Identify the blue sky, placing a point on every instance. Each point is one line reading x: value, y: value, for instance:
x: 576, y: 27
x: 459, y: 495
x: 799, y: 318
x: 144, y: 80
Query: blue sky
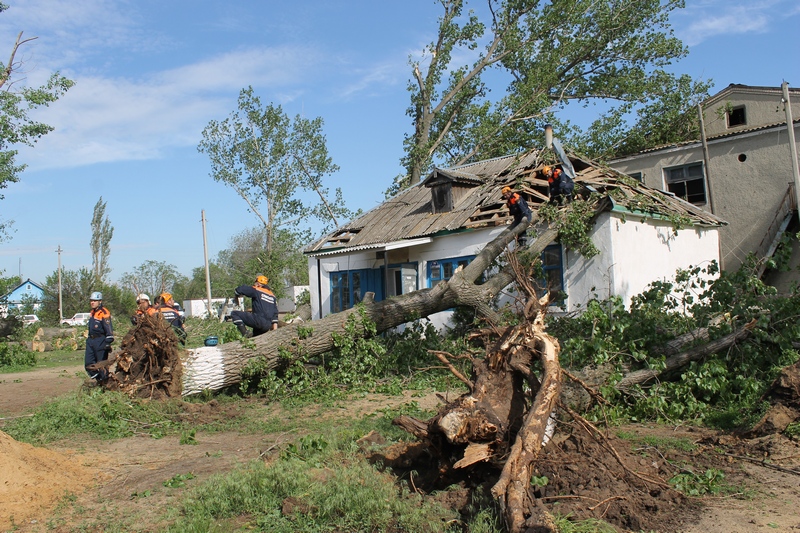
x: 150, y: 75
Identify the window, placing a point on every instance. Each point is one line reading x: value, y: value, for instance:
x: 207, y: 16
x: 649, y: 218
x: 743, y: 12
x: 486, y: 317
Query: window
x: 736, y: 117
x: 637, y: 176
x: 553, y: 270
x: 348, y: 287
x: 444, y: 269
x: 442, y: 198
x: 687, y: 182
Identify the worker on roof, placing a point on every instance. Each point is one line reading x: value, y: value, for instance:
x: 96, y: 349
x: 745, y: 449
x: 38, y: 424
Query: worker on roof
x: 143, y: 307
x: 166, y: 306
x: 100, y: 337
x: 265, y: 308
x: 518, y: 208
x: 561, y: 185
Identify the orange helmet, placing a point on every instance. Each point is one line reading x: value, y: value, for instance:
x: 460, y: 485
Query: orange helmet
x: 546, y: 170
x: 505, y: 190
x: 262, y: 279
x: 165, y: 297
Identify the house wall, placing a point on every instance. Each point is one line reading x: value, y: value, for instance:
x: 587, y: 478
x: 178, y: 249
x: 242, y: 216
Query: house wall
x: 761, y: 108
x: 26, y: 291
x: 442, y: 247
x: 747, y: 194
x: 634, y: 253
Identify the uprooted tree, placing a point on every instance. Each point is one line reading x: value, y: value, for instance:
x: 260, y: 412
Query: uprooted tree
x: 514, y: 391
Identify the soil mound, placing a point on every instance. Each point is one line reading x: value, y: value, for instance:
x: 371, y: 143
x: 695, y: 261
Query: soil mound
x: 33, y: 479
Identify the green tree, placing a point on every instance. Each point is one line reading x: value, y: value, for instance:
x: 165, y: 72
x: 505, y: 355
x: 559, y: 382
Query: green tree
x: 16, y: 127
x: 8, y: 283
x: 153, y: 278
x: 670, y: 117
x: 270, y: 160
x: 102, y: 232
x: 76, y: 287
x: 547, y: 54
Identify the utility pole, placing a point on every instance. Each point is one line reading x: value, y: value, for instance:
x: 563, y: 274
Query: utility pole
x: 60, y: 310
x: 787, y: 106
x: 205, y: 257
x: 706, y: 157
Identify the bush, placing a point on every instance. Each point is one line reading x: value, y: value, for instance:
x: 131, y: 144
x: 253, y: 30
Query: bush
x: 14, y: 355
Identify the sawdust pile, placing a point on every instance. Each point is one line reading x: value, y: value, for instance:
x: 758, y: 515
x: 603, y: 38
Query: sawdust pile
x: 147, y: 364
x: 32, y: 480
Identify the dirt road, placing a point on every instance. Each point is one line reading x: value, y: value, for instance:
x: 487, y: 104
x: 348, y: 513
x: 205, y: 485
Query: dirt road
x: 22, y: 392
x: 125, y: 481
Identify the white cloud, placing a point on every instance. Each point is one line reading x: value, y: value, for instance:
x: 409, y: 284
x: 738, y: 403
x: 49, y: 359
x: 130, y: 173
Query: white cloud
x: 115, y: 119
x: 705, y: 20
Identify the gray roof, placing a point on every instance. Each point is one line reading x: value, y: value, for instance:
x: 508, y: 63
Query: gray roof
x: 479, y: 203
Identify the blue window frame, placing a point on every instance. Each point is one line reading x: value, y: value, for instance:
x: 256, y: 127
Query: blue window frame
x: 553, y: 269
x: 443, y: 269
x: 348, y: 287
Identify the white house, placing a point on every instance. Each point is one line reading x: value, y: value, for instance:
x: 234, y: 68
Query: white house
x: 748, y: 181
x: 422, y: 235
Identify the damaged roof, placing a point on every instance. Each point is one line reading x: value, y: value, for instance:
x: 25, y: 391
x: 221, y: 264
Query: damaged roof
x: 475, y: 201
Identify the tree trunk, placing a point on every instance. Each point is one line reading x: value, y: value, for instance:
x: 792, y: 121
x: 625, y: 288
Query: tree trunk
x: 676, y: 362
x: 217, y: 367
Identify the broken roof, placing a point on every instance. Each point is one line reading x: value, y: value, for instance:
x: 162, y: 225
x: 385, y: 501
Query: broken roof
x: 409, y: 215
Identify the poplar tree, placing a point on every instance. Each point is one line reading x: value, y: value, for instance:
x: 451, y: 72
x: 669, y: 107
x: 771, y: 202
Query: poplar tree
x: 102, y: 232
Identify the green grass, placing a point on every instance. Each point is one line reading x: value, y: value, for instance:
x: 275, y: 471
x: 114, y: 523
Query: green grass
x: 329, y: 482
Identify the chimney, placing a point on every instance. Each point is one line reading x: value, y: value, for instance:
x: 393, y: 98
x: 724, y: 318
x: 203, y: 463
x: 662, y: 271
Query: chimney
x: 548, y: 136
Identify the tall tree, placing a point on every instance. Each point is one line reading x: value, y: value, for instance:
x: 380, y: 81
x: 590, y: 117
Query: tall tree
x: 76, y: 287
x: 269, y: 160
x: 547, y: 54
x: 102, y: 232
x: 15, y: 126
x: 153, y: 278
x: 670, y: 117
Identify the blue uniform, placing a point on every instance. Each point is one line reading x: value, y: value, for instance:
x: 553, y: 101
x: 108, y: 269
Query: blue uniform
x: 174, y: 319
x: 98, y: 343
x: 265, y: 309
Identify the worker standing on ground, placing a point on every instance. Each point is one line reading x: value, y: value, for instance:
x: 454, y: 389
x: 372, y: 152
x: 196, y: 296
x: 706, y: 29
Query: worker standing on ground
x: 518, y: 208
x: 143, y: 308
x: 166, y: 306
x: 265, y: 308
x: 100, y: 338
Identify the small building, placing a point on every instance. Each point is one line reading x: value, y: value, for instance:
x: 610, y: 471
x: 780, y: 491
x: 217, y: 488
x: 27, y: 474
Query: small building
x: 24, y: 293
x: 425, y: 233
x: 198, y: 307
x: 748, y: 181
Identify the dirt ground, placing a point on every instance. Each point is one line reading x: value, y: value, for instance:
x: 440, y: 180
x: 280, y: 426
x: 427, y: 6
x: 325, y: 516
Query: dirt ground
x: 88, y: 485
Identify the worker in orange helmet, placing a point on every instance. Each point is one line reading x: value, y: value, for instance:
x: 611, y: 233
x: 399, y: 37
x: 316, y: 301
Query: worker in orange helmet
x: 518, y: 208
x: 265, y: 308
x: 561, y: 186
x: 166, y: 306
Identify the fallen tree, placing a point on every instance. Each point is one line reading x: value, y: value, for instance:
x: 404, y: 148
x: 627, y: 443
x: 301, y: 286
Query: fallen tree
x: 217, y: 367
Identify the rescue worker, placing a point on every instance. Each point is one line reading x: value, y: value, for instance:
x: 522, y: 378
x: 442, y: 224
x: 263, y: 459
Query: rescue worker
x: 166, y: 306
x: 561, y: 186
x: 100, y: 338
x: 265, y: 308
x: 518, y: 208
x: 143, y: 308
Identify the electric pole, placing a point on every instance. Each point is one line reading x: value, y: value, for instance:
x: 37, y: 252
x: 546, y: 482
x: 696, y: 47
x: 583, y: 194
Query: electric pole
x: 60, y: 311
x: 205, y: 256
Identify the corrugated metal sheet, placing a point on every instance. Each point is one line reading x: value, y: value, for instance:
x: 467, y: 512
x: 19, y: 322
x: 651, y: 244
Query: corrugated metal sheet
x: 408, y: 215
